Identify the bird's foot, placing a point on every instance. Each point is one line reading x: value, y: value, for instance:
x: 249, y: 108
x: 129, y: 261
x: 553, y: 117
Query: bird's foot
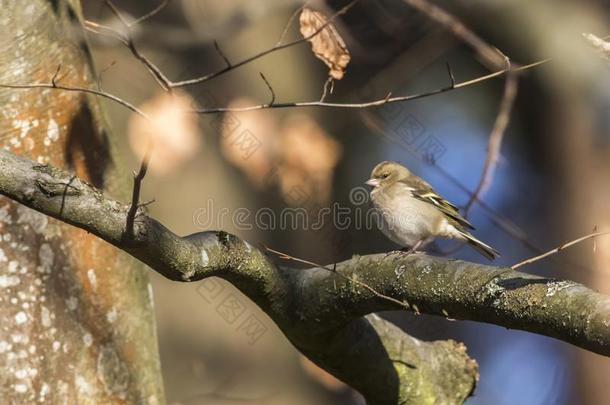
x: 411, y: 250
x: 400, y: 254
x: 393, y: 252
x: 406, y: 252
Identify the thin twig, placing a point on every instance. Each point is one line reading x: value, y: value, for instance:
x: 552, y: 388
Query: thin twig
x: 127, y: 40
x: 150, y: 14
x: 147, y: 203
x: 222, y: 54
x: 100, y: 93
x: 451, y: 77
x: 101, y: 73
x: 289, y: 23
x: 145, y: 160
x: 502, y: 222
x: 164, y: 82
x: 374, y: 103
x: 269, y: 87
x: 137, y: 186
x: 495, y: 140
x: 490, y: 54
x: 558, y: 249
x: 275, y: 48
x: 497, y: 219
x: 54, y: 78
x: 286, y: 256
x: 326, y: 90
x: 117, y: 13
x: 101, y: 29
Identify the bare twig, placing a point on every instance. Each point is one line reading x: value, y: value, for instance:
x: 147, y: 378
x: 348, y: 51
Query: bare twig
x: 101, y: 29
x: 54, y: 78
x: 100, y: 93
x: 286, y: 256
x: 450, y: 72
x: 101, y: 73
x: 289, y: 23
x: 374, y: 103
x: 164, y: 81
x: 150, y: 14
x: 269, y: 87
x: 137, y: 186
x: 127, y: 40
x: 329, y: 85
x: 165, y: 84
x: 145, y: 160
x: 497, y: 219
x: 276, y: 47
x: 222, y: 54
x: 490, y: 54
x: 503, y: 223
x: 495, y: 140
x: 558, y: 249
x: 117, y: 13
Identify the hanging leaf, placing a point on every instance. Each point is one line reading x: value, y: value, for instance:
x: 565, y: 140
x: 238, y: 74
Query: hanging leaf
x: 327, y: 45
x: 602, y: 47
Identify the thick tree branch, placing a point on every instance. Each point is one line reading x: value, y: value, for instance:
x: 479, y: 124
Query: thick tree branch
x: 321, y: 311
x: 399, y: 368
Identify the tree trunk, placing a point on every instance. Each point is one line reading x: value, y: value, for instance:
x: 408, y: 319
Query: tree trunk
x: 77, y: 320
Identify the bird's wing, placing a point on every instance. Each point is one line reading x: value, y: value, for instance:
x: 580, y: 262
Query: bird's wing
x: 424, y: 192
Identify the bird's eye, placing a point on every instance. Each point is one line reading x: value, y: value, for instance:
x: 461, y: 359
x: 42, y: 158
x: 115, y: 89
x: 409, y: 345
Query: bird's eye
x: 385, y: 175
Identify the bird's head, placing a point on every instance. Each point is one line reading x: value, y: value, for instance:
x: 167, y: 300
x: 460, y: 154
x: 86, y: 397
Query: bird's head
x: 387, y: 173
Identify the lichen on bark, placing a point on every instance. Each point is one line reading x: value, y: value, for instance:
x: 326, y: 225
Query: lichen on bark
x: 67, y: 297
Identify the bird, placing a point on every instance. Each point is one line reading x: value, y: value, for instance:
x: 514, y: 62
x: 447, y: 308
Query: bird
x: 412, y: 214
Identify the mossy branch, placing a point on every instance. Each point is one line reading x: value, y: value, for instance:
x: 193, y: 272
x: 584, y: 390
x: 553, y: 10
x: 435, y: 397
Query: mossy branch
x: 324, y: 313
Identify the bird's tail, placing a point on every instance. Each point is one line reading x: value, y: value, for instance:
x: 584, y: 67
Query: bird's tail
x: 480, y: 247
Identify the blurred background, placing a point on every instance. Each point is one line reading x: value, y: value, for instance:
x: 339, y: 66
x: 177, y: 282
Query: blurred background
x: 550, y: 184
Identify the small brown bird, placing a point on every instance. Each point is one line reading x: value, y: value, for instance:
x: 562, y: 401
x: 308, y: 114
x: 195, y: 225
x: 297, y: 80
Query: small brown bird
x: 412, y: 213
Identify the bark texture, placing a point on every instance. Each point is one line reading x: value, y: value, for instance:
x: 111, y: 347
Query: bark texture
x: 321, y: 311
x: 77, y: 321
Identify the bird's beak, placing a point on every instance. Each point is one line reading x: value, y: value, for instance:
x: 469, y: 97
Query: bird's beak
x: 372, y: 182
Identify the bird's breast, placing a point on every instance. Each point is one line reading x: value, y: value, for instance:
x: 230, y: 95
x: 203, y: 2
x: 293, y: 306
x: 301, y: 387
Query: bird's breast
x: 405, y: 219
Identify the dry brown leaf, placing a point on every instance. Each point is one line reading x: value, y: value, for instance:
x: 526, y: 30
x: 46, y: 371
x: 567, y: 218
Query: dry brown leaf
x: 174, y: 132
x: 327, y: 45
